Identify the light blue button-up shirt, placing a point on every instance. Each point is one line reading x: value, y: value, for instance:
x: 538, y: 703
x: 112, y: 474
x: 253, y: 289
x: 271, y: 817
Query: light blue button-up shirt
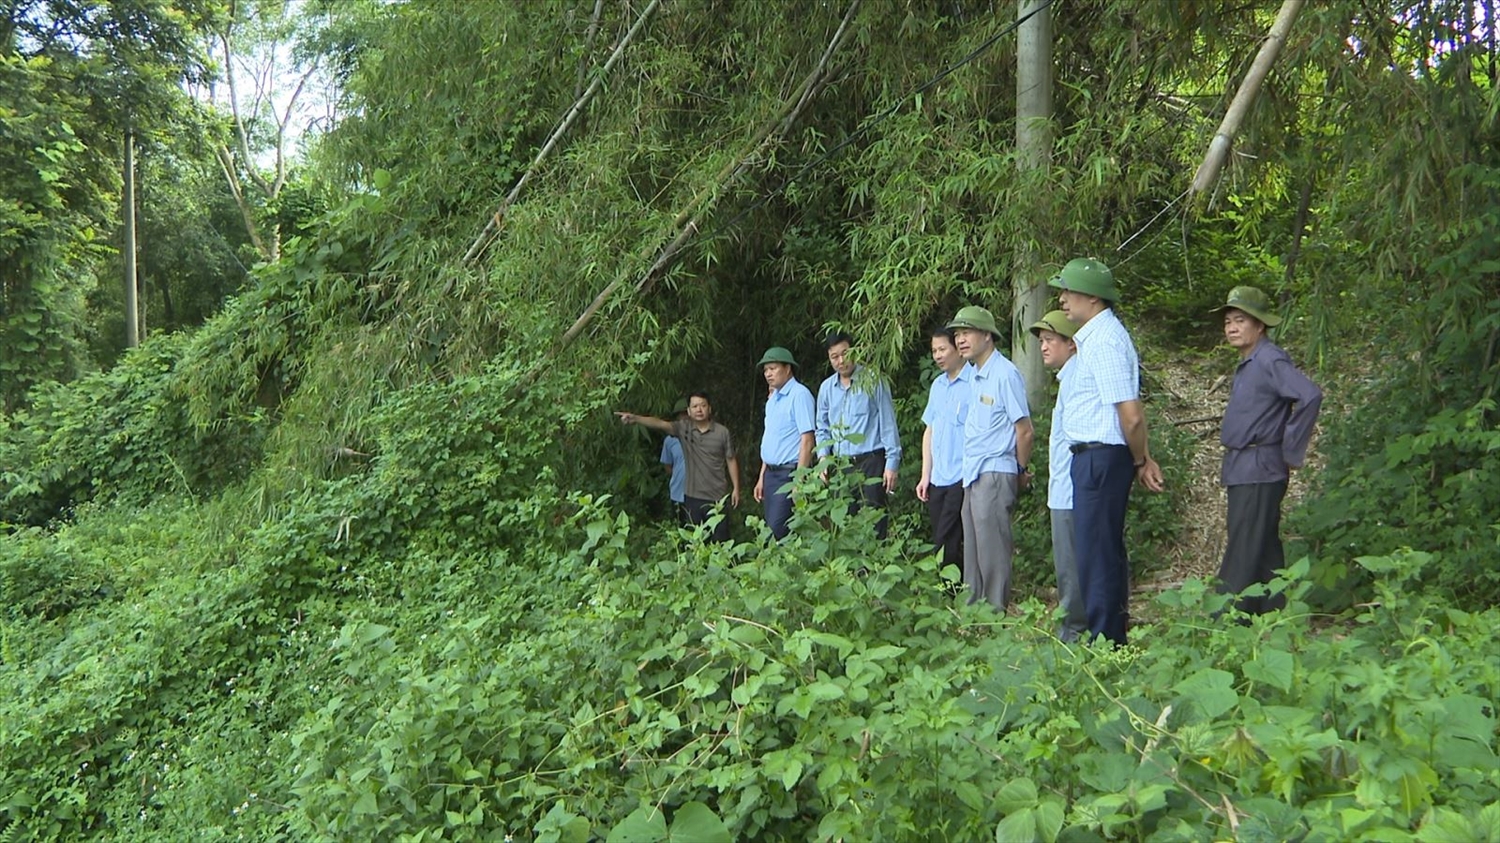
x: 671, y: 454
x: 947, y: 407
x: 1107, y: 372
x: 789, y: 414
x: 1059, y: 458
x: 997, y: 402
x: 858, y: 418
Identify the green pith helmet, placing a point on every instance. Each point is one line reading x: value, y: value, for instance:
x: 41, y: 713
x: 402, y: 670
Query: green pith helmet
x: 1055, y: 321
x: 1252, y: 301
x: 977, y: 318
x: 680, y: 407
x: 1089, y: 277
x: 776, y: 354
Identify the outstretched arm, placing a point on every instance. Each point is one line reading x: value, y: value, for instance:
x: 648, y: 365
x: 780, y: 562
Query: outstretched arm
x: 652, y: 422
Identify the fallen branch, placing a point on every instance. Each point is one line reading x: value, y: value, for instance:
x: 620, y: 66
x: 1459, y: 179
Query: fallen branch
x: 1218, y: 148
x: 492, y: 227
x: 1200, y: 420
x: 689, y: 220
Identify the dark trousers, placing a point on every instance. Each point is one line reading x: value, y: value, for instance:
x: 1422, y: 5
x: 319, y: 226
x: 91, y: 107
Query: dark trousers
x: 776, y: 501
x: 871, y: 464
x: 698, y: 512
x: 1253, y: 551
x: 1101, y: 491
x: 946, y: 506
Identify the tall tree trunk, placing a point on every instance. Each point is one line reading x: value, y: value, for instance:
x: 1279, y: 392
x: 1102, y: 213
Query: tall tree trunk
x: 1034, y: 148
x: 132, y: 311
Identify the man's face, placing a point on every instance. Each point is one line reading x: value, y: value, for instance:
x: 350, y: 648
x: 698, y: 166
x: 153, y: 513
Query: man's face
x: 1056, y: 349
x: 973, y: 343
x: 1241, y: 329
x: 945, y: 354
x: 1073, y: 306
x: 699, y: 409
x: 777, y: 374
x: 838, y: 357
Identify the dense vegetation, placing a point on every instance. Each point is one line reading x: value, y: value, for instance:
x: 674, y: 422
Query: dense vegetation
x: 349, y: 549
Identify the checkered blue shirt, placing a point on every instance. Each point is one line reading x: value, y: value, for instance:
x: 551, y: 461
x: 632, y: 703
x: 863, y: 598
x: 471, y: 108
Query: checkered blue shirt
x: 1108, y: 372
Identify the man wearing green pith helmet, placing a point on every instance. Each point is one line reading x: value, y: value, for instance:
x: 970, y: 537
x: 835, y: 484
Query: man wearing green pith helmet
x: 1106, y: 429
x: 1267, y: 425
x: 997, y: 448
x: 787, y: 443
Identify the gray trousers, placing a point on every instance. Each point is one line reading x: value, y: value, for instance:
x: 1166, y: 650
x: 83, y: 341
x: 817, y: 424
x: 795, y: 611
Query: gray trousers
x: 988, y: 545
x: 1065, y: 561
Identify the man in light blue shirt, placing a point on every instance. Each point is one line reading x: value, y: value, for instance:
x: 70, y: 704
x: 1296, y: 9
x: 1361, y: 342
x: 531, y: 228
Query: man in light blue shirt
x: 1055, y: 334
x: 941, y: 486
x: 672, y: 458
x: 856, y: 418
x: 997, y: 448
x: 1106, y: 429
x: 787, y: 442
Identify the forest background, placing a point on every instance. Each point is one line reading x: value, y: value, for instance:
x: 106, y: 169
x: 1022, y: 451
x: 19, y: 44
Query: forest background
x: 349, y: 548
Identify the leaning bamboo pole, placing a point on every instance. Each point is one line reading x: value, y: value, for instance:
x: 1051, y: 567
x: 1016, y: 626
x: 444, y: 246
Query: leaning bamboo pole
x: 492, y: 226
x: 689, y: 220
x: 1218, y: 148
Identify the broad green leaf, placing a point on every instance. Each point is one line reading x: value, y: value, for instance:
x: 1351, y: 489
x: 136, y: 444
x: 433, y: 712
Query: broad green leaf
x: 695, y: 822
x: 1210, y: 689
x: 644, y: 825
x: 1016, y: 795
x: 562, y: 826
x: 1050, y: 813
x: 1019, y: 827
x: 366, y: 804
x: 1272, y: 667
x: 1445, y: 825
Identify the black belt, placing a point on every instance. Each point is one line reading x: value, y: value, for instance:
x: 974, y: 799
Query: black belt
x: 786, y: 466
x: 1080, y: 447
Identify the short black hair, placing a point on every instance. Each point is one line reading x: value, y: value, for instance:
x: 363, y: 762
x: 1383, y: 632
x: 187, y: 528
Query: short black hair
x: 699, y: 394
x: 945, y: 332
x: 835, y: 338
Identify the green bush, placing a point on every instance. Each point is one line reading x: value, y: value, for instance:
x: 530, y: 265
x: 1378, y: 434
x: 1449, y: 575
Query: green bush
x: 1437, y: 488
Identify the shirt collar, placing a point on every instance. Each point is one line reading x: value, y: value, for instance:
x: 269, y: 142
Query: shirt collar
x: 786, y: 388
x: 1260, y: 347
x: 1095, y: 325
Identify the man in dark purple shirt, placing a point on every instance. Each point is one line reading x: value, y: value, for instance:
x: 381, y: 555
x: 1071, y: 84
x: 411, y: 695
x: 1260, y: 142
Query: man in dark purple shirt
x: 1269, y: 420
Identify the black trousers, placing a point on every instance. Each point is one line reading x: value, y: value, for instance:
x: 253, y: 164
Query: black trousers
x: 1253, y: 552
x: 698, y: 512
x: 945, y: 504
x: 871, y: 464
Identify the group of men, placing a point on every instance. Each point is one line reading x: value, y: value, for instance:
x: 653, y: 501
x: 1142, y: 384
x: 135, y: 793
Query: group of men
x: 978, y: 439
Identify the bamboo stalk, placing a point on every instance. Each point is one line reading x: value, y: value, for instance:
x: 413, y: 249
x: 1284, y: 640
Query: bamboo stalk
x: 1218, y: 148
x: 486, y: 236
x: 690, y: 218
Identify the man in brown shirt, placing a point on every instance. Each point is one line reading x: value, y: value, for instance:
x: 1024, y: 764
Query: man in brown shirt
x: 713, y: 470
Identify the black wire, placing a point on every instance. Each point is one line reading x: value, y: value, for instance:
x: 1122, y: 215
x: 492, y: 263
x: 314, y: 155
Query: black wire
x: 879, y: 118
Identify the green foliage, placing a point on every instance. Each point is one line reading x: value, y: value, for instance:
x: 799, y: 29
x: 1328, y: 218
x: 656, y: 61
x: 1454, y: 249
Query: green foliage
x: 121, y: 435
x: 1435, y: 488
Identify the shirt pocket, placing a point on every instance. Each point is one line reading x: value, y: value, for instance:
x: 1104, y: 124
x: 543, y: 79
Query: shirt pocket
x: 982, y: 412
x: 854, y: 416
